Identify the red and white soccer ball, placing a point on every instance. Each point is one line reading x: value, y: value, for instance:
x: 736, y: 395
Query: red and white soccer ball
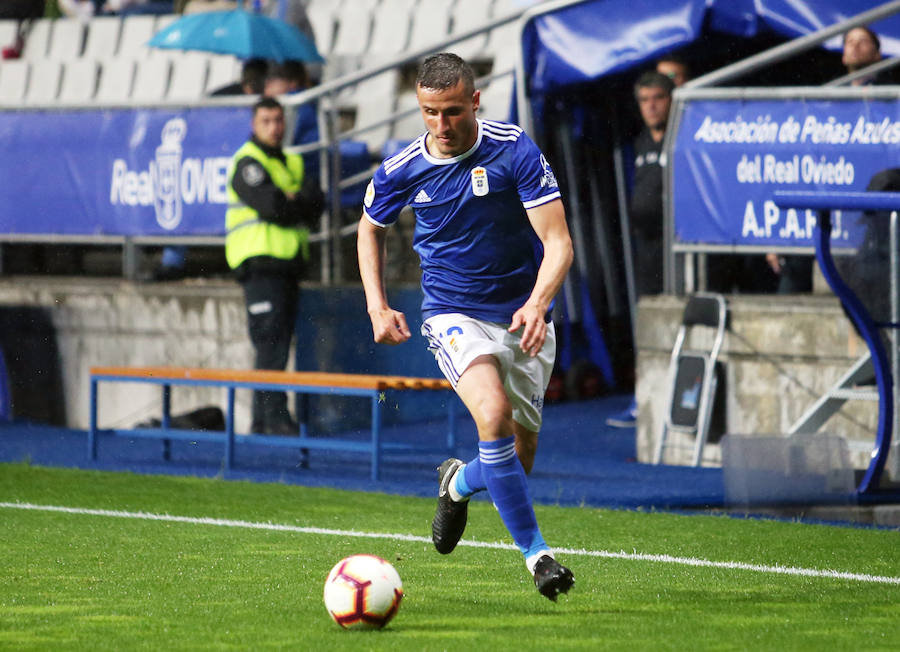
x: 363, y: 592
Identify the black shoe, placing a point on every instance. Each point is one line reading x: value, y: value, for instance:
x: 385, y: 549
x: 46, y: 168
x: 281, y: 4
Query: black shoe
x: 450, y: 517
x: 552, y: 578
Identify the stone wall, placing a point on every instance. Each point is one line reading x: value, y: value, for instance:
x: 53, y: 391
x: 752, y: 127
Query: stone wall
x: 780, y: 355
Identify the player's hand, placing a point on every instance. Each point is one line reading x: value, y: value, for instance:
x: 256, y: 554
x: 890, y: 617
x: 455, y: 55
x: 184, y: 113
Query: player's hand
x: 534, y: 332
x: 389, y: 326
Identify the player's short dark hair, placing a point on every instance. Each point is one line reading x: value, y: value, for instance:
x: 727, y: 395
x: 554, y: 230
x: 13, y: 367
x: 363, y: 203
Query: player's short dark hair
x: 445, y: 70
x: 872, y: 35
x: 653, y: 79
x: 267, y: 103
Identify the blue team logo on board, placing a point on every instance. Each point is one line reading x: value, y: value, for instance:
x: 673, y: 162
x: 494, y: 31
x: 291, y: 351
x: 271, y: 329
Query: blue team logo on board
x: 480, y: 182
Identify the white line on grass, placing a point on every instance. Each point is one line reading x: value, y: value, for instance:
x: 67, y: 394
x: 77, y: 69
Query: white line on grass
x: 631, y: 556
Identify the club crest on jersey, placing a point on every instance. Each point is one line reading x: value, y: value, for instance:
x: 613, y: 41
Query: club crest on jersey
x: 480, y: 182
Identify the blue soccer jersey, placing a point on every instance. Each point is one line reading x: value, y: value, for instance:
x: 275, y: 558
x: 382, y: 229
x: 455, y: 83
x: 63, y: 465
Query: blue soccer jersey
x: 479, y: 254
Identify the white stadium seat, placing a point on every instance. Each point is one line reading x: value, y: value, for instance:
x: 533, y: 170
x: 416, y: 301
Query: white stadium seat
x: 496, y: 99
x: 43, y: 82
x: 66, y: 39
x: 102, y: 41
x: 390, y: 31
x: 430, y: 23
x: 151, y: 80
x: 79, y: 81
x: 188, y: 77
x: 467, y: 15
x: 116, y: 81
x: 224, y: 69
x: 9, y: 31
x: 37, y: 39
x: 353, y: 30
x: 321, y: 17
x: 137, y: 29
x: 411, y: 126
x: 13, y: 80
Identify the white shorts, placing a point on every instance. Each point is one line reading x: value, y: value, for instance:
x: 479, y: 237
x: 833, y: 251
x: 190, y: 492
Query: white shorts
x: 456, y: 340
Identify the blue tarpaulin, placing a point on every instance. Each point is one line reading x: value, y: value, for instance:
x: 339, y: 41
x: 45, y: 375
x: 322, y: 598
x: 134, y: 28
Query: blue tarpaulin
x: 584, y: 42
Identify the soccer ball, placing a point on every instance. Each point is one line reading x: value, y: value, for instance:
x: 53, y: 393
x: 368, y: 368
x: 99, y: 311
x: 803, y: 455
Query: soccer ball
x: 363, y: 592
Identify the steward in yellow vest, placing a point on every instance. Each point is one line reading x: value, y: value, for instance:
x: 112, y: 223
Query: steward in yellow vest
x: 271, y: 206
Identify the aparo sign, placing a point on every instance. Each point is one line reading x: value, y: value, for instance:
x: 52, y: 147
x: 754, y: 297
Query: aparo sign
x: 732, y: 155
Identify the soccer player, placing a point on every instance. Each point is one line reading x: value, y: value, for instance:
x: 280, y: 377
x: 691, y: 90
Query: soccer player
x: 494, y: 246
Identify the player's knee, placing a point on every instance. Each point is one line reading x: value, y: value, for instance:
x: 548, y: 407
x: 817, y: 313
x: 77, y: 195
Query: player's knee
x: 494, y: 418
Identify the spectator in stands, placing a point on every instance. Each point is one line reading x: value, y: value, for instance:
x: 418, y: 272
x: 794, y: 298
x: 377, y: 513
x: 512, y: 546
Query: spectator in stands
x: 495, y: 248
x: 84, y: 10
x: 862, y: 48
x: 653, y: 92
x: 125, y: 7
x: 21, y: 9
x: 287, y: 78
x: 252, y: 82
x: 674, y: 67
x: 272, y: 206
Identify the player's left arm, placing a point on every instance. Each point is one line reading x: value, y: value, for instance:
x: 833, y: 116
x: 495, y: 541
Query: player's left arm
x: 549, y: 223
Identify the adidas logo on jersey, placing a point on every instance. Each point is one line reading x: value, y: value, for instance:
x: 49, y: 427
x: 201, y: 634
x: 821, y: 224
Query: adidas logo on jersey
x: 422, y: 198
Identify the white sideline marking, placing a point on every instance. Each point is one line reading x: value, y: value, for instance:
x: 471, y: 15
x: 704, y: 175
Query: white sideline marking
x: 632, y: 556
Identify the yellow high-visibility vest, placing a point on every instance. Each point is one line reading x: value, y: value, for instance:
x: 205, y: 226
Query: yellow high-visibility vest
x: 246, y: 235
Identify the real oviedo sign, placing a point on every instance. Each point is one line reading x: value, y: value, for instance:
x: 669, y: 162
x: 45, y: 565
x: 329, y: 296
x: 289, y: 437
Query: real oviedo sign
x: 118, y: 172
x: 732, y: 155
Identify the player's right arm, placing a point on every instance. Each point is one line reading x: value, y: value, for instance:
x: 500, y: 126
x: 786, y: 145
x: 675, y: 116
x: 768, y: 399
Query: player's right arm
x: 388, y: 325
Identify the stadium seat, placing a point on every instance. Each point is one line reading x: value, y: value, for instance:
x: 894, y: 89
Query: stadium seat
x: 43, y: 82
x: 151, y: 80
x: 390, y: 29
x: 66, y: 39
x: 79, y: 81
x: 467, y: 15
x: 430, y: 23
x: 411, y: 126
x: 189, y: 73
x: 116, y: 80
x: 9, y: 31
x: 496, y: 99
x: 13, y: 80
x: 354, y: 29
x: 321, y: 17
x: 102, y: 41
x: 159, y: 24
x: 137, y: 29
x: 224, y: 69
x: 37, y: 39
x: 370, y: 110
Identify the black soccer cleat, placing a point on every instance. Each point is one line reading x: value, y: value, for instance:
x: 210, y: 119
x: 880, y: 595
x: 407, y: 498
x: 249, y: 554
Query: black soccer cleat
x: 552, y: 578
x: 450, y: 517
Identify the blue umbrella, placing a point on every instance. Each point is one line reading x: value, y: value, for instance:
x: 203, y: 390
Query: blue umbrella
x: 245, y: 34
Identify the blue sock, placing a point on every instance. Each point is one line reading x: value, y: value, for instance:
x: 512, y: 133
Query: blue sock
x: 470, y: 481
x: 506, y: 482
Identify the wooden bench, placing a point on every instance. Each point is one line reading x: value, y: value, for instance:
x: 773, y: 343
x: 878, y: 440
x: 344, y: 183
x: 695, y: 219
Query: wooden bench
x: 303, y: 383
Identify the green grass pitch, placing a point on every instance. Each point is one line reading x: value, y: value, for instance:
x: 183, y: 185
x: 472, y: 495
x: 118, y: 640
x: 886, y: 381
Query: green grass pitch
x: 252, y: 580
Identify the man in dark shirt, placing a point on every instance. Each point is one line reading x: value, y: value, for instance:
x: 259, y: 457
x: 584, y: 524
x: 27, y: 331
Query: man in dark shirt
x: 653, y: 92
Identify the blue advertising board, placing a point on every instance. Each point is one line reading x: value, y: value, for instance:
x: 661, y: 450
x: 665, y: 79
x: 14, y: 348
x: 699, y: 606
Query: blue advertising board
x: 123, y: 172
x: 730, y: 156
